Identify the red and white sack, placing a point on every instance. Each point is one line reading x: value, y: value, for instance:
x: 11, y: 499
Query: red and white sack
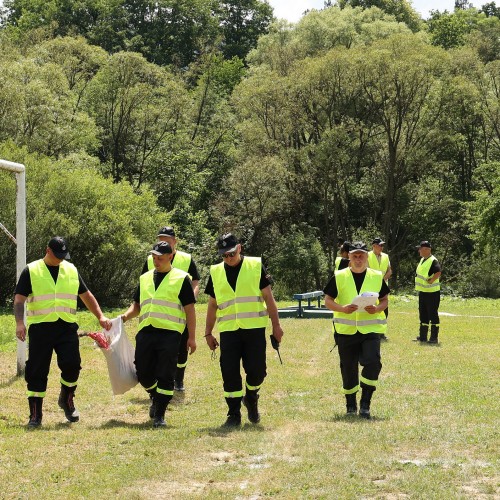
x: 120, y: 358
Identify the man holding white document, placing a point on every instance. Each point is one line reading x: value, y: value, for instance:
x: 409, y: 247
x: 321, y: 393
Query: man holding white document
x: 358, y: 296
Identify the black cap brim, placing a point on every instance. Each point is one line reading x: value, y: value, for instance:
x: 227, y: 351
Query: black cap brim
x: 62, y: 255
x: 222, y: 251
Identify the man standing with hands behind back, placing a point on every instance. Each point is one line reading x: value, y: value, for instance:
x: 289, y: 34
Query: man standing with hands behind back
x: 238, y: 288
x: 429, y: 296
x: 51, y: 286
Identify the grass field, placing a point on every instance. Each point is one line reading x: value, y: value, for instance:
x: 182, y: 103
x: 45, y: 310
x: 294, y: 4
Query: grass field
x: 433, y: 435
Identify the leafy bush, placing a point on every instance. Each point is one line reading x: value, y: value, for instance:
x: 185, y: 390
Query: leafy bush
x: 108, y: 226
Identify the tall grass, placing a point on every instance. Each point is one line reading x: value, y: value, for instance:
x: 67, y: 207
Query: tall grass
x: 434, y: 433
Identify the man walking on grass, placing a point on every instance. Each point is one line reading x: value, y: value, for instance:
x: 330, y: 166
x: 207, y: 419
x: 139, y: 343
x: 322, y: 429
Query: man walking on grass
x: 357, y: 330
x: 51, y: 286
x: 241, y: 301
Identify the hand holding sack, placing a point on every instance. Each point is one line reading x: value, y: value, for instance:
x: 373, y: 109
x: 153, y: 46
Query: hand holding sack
x: 119, y: 354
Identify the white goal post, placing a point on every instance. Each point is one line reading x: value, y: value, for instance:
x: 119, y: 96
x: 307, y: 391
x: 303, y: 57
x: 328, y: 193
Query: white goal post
x: 20, y: 240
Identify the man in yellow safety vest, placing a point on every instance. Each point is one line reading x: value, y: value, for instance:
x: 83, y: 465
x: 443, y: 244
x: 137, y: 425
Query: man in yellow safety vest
x: 429, y: 296
x: 50, y: 287
x: 357, y: 328
x: 164, y: 302
x: 185, y: 262
x: 241, y: 301
x: 379, y: 261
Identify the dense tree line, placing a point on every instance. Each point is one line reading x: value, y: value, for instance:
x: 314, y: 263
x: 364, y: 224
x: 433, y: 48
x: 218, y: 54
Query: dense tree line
x: 361, y: 120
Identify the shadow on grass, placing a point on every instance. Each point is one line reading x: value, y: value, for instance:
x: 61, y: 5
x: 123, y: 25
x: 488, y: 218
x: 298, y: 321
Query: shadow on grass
x: 115, y: 424
x: 354, y: 419
x: 222, y: 431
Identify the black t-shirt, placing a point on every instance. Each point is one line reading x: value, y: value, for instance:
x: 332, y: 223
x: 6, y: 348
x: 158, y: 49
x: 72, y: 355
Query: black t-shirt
x: 192, y: 271
x: 24, y: 288
x: 359, y: 278
x: 232, y: 273
x: 435, y: 267
x: 343, y: 263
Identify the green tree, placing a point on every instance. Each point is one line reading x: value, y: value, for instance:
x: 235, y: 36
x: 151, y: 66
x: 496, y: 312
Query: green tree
x: 108, y: 227
x: 241, y: 23
x: 402, y: 10
x: 138, y: 106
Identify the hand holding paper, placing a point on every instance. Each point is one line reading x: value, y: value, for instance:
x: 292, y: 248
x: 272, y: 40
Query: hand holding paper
x: 365, y: 299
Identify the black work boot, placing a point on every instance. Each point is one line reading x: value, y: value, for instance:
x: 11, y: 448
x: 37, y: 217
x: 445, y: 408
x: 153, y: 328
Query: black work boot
x: 35, y: 411
x: 364, y: 404
x: 160, y: 407
x: 434, y: 334
x: 351, y: 404
x: 234, y: 412
x: 66, y: 402
x: 152, y: 393
x: 179, y: 379
x: 424, y: 330
x: 250, y: 401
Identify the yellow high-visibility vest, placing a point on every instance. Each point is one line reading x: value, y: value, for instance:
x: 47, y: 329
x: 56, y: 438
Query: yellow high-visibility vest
x: 49, y: 300
x: 338, y: 260
x: 358, y: 321
x: 162, y: 308
x: 422, y: 275
x: 373, y: 262
x: 244, y: 307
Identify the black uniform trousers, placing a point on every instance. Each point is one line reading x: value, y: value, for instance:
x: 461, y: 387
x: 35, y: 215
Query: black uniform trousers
x: 428, y: 307
x: 156, y: 358
x: 182, y: 355
x: 362, y: 349
x: 246, y: 346
x: 43, y: 340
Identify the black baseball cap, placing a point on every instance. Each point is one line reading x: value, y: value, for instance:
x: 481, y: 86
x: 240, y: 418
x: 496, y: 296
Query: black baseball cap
x: 166, y: 231
x: 227, y: 243
x: 59, y: 247
x: 161, y: 248
x: 425, y: 243
x: 358, y: 246
x: 346, y: 246
x: 378, y: 241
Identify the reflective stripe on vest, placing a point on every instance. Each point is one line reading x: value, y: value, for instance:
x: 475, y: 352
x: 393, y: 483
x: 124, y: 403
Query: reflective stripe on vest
x: 49, y: 300
x: 244, y: 307
x: 373, y: 262
x: 422, y: 275
x: 349, y: 324
x: 161, y: 308
x: 182, y: 261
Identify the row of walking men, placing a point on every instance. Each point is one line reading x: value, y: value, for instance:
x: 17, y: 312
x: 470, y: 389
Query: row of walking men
x: 241, y: 302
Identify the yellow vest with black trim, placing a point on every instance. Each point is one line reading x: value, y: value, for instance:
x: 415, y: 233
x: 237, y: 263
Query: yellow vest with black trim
x: 49, y: 300
x: 244, y: 307
x: 182, y: 261
x: 162, y: 308
x: 373, y: 262
x: 358, y: 321
x: 422, y: 275
x: 338, y: 260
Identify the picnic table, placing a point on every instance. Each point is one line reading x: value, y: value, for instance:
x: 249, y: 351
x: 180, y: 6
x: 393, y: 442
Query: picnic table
x: 309, y: 296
